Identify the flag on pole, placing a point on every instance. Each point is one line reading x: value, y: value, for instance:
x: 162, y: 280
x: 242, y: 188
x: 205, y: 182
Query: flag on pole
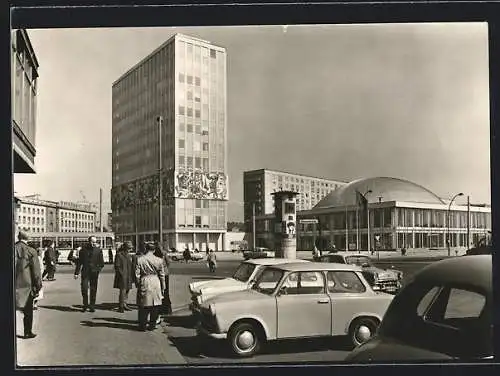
x: 362, y: 202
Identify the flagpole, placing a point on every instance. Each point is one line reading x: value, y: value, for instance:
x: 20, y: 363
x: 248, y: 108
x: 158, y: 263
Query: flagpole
x: 368, y: 225
x: 346, y: 231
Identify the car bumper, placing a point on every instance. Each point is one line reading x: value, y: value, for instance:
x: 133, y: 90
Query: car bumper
x: 391, y: 289
x: 202, y: 332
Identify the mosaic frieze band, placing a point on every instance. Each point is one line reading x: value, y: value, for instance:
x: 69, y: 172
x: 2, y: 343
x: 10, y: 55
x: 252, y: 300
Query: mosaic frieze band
x: 189, y: 184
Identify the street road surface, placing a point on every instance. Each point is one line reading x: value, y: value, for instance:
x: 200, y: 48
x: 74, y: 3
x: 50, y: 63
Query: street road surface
x: 183, y: 335
x: 116, y: 340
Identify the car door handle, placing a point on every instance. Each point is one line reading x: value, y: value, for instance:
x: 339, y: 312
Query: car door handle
x: 323, y: 301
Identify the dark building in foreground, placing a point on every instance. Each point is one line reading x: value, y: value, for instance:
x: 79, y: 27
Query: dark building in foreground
x: 24, y: 75
x: 184, y: 81
x: 402, y: 214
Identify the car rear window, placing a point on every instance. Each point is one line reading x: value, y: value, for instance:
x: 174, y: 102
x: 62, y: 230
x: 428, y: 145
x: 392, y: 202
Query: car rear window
x: 344, y: 281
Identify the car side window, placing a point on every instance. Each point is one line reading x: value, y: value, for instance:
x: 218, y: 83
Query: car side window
x: 456, y: 308
x: 426, y: 301
x: 464, y: 304
x: 344, y: 282
x: 303, y: 283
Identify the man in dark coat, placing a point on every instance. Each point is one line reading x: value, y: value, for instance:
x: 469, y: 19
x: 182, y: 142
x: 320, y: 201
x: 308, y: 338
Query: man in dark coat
x: 50, y: 260
x: 166, y: 306
x: 123, y: 275
x: 90, y: 262
x: 28, y: 281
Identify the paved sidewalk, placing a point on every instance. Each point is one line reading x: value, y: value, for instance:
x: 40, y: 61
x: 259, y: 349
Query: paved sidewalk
x: 67, y: 336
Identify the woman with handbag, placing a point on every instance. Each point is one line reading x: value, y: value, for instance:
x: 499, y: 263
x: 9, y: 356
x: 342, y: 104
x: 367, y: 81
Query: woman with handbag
x: 150, y: 276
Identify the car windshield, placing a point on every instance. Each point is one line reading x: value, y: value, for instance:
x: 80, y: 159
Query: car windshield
x: 358, y: 260
x: 268, y: 281
x: 244, y: 272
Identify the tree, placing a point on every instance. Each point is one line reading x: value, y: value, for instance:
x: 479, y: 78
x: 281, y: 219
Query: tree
x: 239, y: 226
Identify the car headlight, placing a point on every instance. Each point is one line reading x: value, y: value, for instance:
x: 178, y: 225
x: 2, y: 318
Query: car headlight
x: 211, y: 308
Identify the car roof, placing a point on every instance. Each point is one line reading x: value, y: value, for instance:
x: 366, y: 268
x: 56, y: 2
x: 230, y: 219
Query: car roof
x: 464, y: 270
x: 315, y: 266
x: 274, y: 261
x: 355, y: 254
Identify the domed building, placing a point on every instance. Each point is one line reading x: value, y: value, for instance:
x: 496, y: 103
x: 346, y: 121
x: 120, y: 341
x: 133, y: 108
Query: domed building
x: 398, y: 214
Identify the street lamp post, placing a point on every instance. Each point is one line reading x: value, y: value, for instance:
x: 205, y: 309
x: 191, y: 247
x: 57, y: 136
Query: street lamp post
x: 159, y: 119
x: 253, y: 226
x: 448, y: 240
x: 357, y: 221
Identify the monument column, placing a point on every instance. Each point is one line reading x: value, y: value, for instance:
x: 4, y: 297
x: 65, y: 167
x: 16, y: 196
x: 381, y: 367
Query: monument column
x: 285, y: 223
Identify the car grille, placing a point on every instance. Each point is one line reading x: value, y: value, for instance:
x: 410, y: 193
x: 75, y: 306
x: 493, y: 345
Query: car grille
x: 388, y: 284
x: 208, y: 321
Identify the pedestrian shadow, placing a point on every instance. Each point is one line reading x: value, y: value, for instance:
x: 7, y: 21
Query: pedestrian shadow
x: 73, y: 308
x: 107, y: 306
x: 114, y: 325
x: 115, y: 320
x: 196, y: 347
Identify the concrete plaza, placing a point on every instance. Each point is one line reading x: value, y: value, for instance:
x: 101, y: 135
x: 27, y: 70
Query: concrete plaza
x: 67, y: 336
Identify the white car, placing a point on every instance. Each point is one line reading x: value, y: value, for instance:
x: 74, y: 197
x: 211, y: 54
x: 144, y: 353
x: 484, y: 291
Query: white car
x: 196, y: 255
x: 247, y: 272
x: 295, y: 300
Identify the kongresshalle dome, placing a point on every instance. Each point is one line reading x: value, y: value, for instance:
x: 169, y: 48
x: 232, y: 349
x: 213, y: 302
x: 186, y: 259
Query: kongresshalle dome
x: 383, y: 189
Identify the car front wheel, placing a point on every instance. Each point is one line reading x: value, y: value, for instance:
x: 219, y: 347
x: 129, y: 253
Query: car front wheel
x: 244, y: 340
x: 361, y: 330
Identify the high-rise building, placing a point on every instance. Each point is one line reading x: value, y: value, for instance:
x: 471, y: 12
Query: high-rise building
x: 184, y: 82
x: 259, y: 184
x: 24, y: 75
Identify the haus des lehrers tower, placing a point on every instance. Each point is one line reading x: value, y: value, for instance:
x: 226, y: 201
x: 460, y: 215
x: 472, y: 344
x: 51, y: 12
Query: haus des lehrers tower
x: 184, y: 82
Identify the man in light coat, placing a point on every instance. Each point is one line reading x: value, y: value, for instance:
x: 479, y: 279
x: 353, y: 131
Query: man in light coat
x: 28, y: 281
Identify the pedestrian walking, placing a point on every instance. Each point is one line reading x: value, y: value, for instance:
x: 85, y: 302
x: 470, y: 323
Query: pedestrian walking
x: 123, y: 275
x: 28, y: 281
x: 49, y: 260
x: 166, y: 305
x: 90, y: 263
x: 212, y: 261
x: 73, y: 255
x: 150, y: 275
x: 40, y: 293
x: 187, y: 255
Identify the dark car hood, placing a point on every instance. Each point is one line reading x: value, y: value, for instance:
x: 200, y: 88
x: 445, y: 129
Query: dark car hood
x: 380, y: 349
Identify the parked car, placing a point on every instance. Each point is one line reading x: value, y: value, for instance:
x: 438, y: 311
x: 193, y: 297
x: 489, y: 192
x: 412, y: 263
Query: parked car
x: 240, y: 280
x: 259, y: 252
x: 444, y: 313
x: 388, y: 280
x: 175, y: 255
x: 295, y: 300
x: 482, y: 250
x: 196, y: 255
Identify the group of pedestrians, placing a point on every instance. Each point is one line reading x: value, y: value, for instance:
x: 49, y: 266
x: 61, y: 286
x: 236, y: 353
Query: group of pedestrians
x: 147, y: 269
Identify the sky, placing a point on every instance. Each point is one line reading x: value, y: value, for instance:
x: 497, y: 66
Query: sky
x: 344, y: 102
